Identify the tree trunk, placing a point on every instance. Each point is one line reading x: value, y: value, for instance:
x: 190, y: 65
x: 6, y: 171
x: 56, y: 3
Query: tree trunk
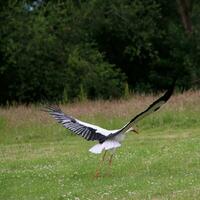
x: 184, y: 7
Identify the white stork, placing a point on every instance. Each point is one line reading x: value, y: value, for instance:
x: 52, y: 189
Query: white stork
x: 107, y: 139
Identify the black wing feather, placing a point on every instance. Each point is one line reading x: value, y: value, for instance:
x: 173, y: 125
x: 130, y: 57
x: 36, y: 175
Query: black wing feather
x: 73, y: 125
x: 152, y: 108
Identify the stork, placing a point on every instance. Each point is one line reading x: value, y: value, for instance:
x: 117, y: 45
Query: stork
x: 107, y: 139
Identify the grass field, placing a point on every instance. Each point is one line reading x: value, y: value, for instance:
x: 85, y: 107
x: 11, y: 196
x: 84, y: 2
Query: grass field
x: 41, y: 160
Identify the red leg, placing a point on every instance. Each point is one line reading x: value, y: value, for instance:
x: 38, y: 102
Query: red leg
x: 104, y: 155
x: 110, y: 164
x: 97, y: 174
x: 110, y: 160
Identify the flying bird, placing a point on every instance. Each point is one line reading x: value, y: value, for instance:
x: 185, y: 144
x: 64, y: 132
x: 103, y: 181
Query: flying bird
x: 107, y: 139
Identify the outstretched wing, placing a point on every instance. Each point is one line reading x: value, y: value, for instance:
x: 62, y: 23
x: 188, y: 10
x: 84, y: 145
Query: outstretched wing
x: 86, y: 130
x: 152, y: 108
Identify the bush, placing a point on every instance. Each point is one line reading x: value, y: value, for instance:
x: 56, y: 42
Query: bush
x: 88, y: 71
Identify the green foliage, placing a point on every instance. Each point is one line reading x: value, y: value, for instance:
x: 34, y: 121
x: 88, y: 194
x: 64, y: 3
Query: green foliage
x: 41, y: 55
x: 141, y: 42
x: 33, y: 71
x: 88, y: 70
x: 82, y: 95
x: 125, y: 31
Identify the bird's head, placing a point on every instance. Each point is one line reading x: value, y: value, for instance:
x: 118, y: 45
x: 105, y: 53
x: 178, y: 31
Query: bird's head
x: 134, y: 130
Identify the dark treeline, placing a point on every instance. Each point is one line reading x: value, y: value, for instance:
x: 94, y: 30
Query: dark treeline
x: 73, y: 49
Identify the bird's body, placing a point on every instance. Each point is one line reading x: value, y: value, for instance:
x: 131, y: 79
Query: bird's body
x: 109, y: 144
x: 107, y: 139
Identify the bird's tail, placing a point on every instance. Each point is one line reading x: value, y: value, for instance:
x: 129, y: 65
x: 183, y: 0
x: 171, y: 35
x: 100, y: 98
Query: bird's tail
x: 108, y: 144
x: 98, y: 148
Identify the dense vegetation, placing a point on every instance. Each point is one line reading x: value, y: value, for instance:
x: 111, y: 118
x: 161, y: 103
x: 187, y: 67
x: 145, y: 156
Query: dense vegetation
x: 66, y: 50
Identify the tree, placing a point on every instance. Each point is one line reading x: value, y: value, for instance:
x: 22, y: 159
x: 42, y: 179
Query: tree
x: 59, y: 51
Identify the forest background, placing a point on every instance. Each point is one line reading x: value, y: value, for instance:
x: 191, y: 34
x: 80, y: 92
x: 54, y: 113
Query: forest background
x: 61, y: 51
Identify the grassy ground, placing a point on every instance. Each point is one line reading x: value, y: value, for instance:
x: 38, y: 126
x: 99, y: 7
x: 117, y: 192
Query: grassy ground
x: 41, y: 160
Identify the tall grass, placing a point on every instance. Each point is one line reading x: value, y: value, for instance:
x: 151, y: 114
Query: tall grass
x: 27, y: 123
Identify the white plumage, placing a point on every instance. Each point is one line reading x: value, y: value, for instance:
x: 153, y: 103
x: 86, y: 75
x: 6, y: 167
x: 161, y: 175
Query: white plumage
x: 108, y: 144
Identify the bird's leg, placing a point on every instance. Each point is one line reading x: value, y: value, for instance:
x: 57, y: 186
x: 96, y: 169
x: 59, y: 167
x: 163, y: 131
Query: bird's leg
x: 110, y: 164
x: 104, y: 155
x: 110, y: 160
x: 100, y: 164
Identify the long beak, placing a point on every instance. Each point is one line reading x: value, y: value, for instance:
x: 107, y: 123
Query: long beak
x: 135, y: 131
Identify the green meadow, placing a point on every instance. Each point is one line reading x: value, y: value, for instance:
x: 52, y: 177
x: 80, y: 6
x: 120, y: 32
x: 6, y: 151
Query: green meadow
x: 39, y: 159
